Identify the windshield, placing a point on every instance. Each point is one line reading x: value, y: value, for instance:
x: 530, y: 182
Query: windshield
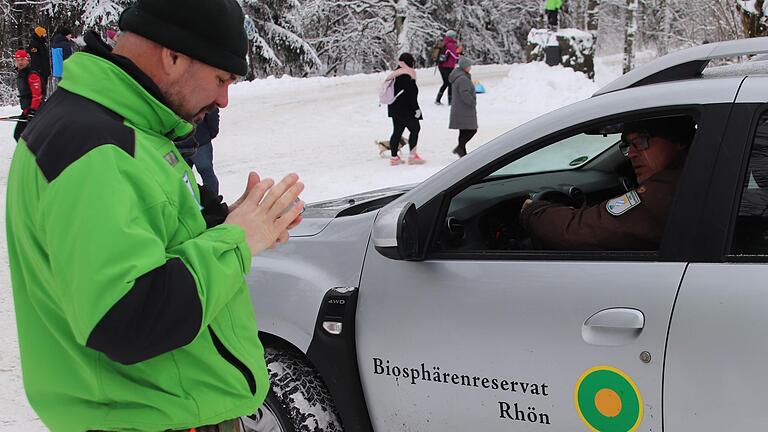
x: 570, y: 153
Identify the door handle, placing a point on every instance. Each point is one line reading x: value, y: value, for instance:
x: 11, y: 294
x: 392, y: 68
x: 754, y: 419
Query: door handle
x: 623, y: 318
x: 613, y: 327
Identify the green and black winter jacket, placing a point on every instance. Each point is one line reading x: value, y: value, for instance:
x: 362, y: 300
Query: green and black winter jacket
x: 131, y: 313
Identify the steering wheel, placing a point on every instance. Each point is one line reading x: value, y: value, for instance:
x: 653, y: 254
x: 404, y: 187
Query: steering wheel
x: 573, y: 198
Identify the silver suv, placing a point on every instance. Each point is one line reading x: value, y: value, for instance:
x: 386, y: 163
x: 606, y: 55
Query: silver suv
x: 428, y: 308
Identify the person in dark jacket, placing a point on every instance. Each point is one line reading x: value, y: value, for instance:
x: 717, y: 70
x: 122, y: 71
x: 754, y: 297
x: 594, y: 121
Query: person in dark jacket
x: 446, y: 66
x: 464, y: 106
x: 197, y: 150
x: 61, y: 49
x: 633, y: 221
x: 41, y: 61
x: 30, y: 91
x: 405, y: 111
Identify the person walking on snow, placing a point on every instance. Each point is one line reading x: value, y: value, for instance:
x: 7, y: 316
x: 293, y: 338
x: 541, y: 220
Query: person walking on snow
x: 464, y: 107
x: 41, y: 60
x: 129, y: 283
x: 552, y: 8
x: 30, y: 91
x: 200, y: 149
x: 405, y: 111
x: 447, y: 65
x: 61, y: 49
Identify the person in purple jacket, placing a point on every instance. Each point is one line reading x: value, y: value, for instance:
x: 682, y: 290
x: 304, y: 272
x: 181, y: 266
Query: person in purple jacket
x: 447, y: 65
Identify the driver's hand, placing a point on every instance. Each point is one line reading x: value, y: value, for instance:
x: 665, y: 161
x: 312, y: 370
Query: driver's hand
x: 526, y: 204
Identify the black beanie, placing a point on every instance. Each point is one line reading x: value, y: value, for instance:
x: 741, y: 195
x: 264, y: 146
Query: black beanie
x: 210, y: 31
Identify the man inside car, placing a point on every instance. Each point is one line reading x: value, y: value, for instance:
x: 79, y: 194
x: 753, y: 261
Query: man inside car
x: 633, y: 221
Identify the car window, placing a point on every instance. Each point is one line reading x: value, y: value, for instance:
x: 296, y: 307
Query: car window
x: 570, y: 153
x: 750, y: 235
x: 590, y: 185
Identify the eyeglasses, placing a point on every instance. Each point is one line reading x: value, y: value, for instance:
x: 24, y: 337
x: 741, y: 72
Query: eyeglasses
x: 640, y: 143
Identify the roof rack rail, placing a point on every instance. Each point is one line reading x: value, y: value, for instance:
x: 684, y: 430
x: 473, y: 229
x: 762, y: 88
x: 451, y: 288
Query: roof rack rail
x: 684, y: 64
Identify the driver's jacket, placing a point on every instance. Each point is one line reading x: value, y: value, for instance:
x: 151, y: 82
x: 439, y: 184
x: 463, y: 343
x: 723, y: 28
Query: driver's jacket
x: 633, y: 222
x: 131, y: 314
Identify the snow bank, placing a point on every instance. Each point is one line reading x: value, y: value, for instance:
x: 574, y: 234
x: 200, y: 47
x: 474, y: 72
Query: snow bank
x: 532, y: 89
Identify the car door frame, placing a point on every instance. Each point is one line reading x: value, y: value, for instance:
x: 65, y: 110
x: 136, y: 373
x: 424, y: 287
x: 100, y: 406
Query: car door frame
x: 680, y: 241
x: 691, y: 358
x: 722, y: 203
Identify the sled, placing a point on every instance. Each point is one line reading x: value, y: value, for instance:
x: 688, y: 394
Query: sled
x: 479, y: 88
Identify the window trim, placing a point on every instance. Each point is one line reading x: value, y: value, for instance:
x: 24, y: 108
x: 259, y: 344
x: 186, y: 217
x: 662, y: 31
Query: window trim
x: 439, y: 206
x: 760, y: 111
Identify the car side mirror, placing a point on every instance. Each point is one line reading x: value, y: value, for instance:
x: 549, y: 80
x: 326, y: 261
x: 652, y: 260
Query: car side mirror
x: 396, y: 233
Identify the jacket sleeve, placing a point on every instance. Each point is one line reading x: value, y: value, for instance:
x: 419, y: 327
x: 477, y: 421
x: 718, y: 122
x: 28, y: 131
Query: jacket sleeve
x: 450, y: 49
x: 412, y: 91
x: 560, y: 227
x: 125, y: 291
x: 35, y: 85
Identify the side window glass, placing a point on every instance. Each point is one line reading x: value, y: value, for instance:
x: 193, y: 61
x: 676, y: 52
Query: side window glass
x: 607, y: 188
x: 751, y: 232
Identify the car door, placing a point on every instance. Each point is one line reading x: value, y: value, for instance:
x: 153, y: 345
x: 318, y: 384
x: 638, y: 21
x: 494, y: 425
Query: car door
x: 715, y: 375
x: 510, y: 341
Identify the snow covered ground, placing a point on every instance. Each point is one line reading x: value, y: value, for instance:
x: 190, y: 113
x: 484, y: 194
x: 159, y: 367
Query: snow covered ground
x: 324, y: 130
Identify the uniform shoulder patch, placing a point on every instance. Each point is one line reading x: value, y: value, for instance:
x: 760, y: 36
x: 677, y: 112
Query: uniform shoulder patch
x: 170, y: 157
x: 620, y: 205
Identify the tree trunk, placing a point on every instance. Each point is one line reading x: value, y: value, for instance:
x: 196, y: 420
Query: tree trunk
x: 400, y: 15
x: 753, y: 23
x: 593, y: 19
x: 665, y: 25
x: 629, y: 35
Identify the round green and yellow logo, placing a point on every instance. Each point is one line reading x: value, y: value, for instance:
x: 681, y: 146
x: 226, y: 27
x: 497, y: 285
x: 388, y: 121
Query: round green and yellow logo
x: 607, y: 400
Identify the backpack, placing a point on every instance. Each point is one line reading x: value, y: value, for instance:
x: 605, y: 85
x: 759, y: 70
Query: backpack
x: 387, y: 92
x: 438, y: 53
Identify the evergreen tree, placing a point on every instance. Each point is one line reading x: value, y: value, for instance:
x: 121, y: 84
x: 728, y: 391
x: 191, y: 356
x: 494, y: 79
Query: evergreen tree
x: 278, y: 45
x: 326, y: 37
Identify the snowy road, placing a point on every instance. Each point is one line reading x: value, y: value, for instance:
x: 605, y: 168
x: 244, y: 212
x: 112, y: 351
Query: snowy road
x: 323, y: 129
x: 319, y: 126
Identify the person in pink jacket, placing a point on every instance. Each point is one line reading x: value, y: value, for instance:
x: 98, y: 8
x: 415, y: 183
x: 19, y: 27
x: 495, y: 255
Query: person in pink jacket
x: 448, y: 57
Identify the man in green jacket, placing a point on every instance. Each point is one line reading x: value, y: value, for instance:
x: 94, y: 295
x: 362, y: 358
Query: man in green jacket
x: 131, y: 302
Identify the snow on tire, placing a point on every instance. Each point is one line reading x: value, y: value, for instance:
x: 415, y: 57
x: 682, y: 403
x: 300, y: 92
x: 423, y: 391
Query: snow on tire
x: 303, y: 395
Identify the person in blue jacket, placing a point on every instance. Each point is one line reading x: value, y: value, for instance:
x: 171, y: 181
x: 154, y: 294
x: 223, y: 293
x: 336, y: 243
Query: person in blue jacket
x: 61, y: 49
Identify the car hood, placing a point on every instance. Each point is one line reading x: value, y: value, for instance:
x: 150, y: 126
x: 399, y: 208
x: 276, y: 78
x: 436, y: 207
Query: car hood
x: 318, y: 215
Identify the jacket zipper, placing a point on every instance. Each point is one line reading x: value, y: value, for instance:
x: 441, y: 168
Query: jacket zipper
x: 234, y: 361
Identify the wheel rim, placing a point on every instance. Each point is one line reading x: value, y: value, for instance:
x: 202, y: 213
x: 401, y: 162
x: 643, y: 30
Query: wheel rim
x: 263, y: 420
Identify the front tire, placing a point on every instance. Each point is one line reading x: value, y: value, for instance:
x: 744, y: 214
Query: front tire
x: 298, y: 400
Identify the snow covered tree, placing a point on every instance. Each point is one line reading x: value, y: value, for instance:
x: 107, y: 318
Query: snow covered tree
x: 593, y: 18
x: 349, y: 36
x: 102, y: 14
x: 326, y: 37
x: 367, y: 35
x: 753, y: 16
x: 415, y: 27
x: 491, y: 31
x: 277, y: 43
